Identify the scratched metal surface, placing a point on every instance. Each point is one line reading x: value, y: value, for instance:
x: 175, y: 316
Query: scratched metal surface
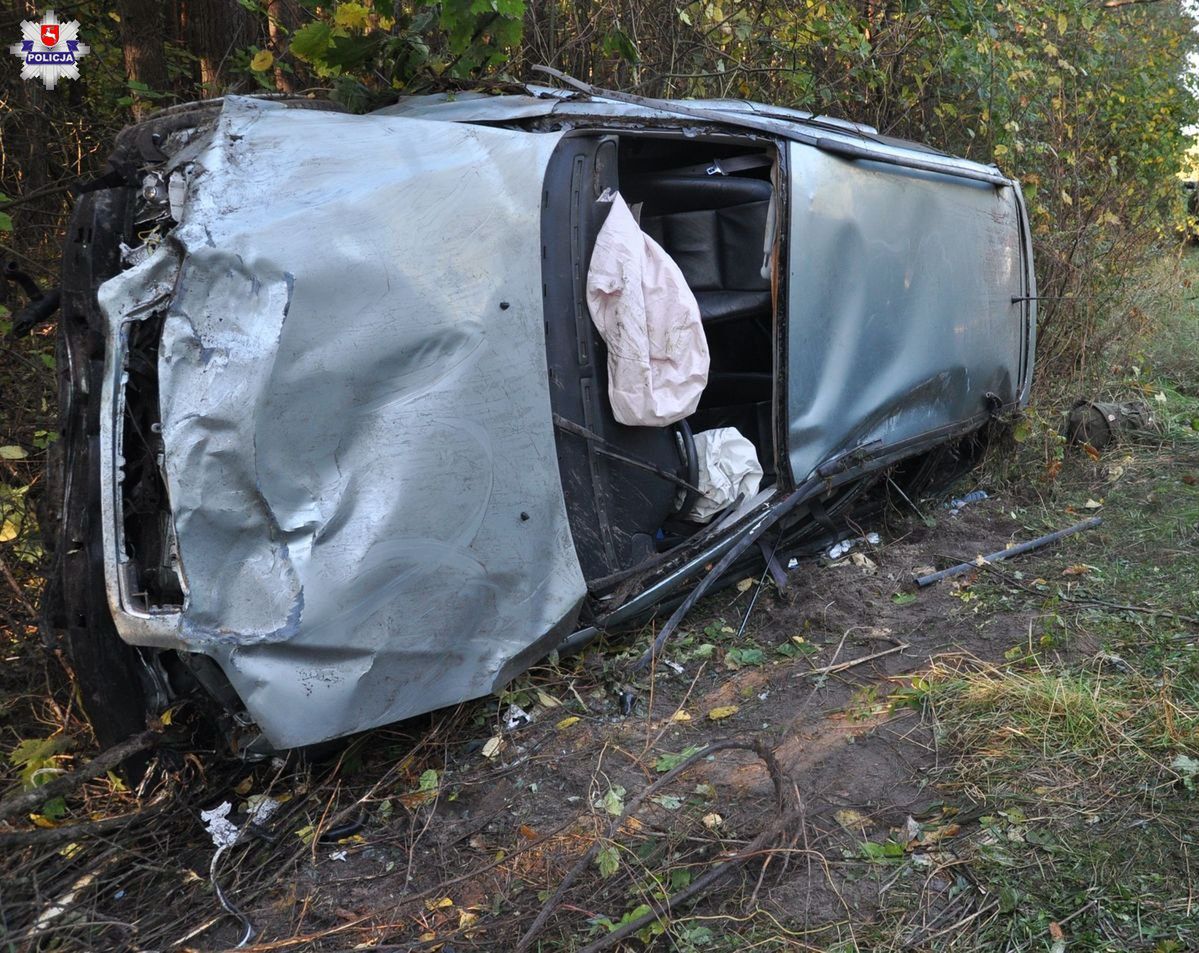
x: 359, y: 449
x: 900, y: 311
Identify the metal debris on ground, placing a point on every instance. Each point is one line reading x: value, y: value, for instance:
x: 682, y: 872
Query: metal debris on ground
x: 1022, y: 548
x: 957, y: 504
x: 225, y: 834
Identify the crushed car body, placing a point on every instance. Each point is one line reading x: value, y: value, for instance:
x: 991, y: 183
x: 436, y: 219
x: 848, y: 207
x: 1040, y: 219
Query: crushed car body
x: 338, y: 441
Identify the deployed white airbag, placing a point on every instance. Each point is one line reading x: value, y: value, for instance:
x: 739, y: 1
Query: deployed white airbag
x: 648, y: 317
x: 728, y: 468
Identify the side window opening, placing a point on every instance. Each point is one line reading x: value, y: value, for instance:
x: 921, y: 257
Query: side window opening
x: 710, y: 204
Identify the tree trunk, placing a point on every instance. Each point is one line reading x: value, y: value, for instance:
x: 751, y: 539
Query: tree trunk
x: 216, y: 29
x: 142, y: 38
x: 283, y: 16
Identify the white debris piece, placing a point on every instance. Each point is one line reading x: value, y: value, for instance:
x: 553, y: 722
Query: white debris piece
x: 516, y: 717
x: 224, y: 832
x: 728, y: 468
x: 837, y: 550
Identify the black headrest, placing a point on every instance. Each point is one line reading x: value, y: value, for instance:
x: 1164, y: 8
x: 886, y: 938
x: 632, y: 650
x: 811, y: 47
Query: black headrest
x: 664, y: 194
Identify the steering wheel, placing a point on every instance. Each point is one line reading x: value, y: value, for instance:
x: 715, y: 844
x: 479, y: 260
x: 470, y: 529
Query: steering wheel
x: 689, y: 457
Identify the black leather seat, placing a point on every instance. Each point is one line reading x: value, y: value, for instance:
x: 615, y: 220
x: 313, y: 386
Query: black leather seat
x: 714, y: 227
x: 615, y: 509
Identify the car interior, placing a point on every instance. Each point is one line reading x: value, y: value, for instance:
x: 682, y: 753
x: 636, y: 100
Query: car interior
x: 710, y: 204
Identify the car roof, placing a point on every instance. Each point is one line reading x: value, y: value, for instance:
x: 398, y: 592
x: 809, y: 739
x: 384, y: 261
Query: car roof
x: 594, y: 105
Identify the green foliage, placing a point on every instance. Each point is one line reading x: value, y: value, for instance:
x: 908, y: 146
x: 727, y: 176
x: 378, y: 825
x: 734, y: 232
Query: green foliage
x: 37, y: 759
x: 668, y: 762
x: 608, y: 861
x: 371, y: 53
x: 1080, y: 101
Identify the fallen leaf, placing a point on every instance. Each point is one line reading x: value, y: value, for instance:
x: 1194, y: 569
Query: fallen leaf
x: 744, y: 585
x: 608, y: 861
x: 567, y: 722
x: 1055, y: 931
x: 493, y: 746
x: 1091, y: 451
x: 1078, y: 569
x: 852, y: 820
x: 1092, y: 505
x: 1053, y: 469
x: 724, y: 711
x: 949, y: 830
x: 863, y: 561
x: 680, y: 715
x: 262, y: 61
x: 13, y: 453
x: 549, y: 701
x: 527, y: 832
x: 438, y: 904
x: 712, y: 821
x: 612, y: 801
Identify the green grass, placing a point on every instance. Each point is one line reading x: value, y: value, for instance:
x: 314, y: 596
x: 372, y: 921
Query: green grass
x: 1081, y: 748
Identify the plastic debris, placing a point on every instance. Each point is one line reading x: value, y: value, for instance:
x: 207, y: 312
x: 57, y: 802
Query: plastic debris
x: 225, y: 834
x: 516, y: 717
x: 957, y: 503
x: 837, y: 550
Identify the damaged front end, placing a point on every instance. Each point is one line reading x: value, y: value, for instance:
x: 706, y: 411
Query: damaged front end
x: 315, y: 423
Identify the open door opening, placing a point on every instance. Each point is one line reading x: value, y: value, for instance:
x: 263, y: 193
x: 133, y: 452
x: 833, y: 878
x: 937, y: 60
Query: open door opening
x: 712, y: 205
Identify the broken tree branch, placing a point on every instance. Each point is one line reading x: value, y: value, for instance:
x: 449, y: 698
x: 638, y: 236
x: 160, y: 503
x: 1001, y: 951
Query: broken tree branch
x: 842, y: 666
x: 100, y: 765
x: 777, y: 778
x: 70, y: 832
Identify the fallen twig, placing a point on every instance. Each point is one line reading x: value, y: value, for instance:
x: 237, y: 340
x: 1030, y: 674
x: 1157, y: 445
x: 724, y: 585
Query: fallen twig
x: 1089, y: 601
x: 777, y: 778
x: 69, y: 832
x: 100, y: 765
x: 756, y: 848
x: 842, y: 666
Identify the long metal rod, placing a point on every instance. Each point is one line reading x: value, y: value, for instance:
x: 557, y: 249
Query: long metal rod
x: 604, y: 447
x: 809, y: 488
x: 1032, y: 544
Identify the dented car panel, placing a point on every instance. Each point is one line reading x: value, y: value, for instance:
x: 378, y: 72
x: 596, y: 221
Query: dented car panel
x: 355, y: 446
x: 366, y: 531
x: 907, y: 301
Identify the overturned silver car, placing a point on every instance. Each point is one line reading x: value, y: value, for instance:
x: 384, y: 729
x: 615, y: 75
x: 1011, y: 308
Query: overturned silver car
x: 339, y: 442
